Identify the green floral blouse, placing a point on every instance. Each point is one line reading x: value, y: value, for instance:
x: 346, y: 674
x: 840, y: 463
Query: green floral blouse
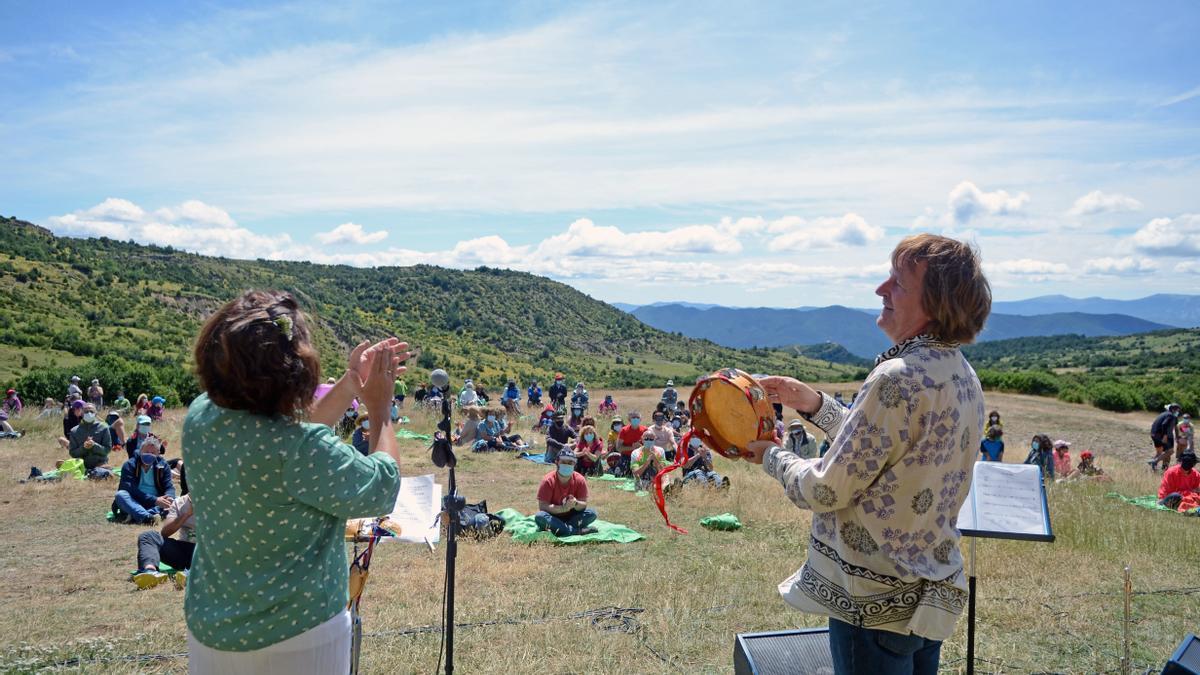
x: 271, y: 499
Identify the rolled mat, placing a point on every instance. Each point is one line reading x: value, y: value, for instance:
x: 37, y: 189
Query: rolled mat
x: 525, y: 530
x: 724, y: 521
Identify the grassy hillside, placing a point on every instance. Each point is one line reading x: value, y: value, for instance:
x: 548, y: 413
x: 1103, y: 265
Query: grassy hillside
x: 1121, y: 373
x: 63, y: 301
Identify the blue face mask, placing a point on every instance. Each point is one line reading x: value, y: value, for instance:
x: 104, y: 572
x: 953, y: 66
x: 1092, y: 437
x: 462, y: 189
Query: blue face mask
x: 589, y: 437
x: 144, y: 429
x: 565, y: 470
x: 148, y: 458
x: 367, y: 425
x: 491, y: 418
x: 635, y: 421
x: 1035, y: 445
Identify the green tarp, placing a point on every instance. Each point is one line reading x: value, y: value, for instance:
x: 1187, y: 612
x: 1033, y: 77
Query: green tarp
x: 621, y: 483
x: 725, y: 521
x: 525, y: 530
x: 412, y: 435
x: 1146, y: 502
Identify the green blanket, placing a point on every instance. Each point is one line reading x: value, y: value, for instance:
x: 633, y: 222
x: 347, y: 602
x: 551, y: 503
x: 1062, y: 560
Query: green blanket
x: 72, y: 468
x: 1146, y: 502
x: 621, y: 483
x: 412, y: 435
x: 525, y: 530
x: 725, y: 521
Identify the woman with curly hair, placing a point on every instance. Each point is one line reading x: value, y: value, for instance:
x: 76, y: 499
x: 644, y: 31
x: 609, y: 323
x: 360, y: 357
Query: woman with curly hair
x: 272, y: 486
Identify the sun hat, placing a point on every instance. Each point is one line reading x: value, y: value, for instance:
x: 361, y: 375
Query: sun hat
x: 78, y: 403
x: 144, y: 419
x: 158, y: 399
x: 1060, y: 443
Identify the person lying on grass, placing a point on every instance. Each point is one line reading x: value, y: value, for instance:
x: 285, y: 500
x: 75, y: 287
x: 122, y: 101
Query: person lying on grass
x: 562, y: 499
x: 146, y: 490
x: 156, y: 546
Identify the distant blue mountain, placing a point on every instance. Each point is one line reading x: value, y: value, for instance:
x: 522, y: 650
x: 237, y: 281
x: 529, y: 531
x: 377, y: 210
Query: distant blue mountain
x: 1182, y: 311
x: 855, y: 329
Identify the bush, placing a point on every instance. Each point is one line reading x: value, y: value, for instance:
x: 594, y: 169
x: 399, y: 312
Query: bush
x: 1073, y: 394
x: 1116, y: 397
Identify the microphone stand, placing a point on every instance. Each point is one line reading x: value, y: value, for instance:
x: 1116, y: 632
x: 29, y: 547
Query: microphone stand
x: 452, y: 505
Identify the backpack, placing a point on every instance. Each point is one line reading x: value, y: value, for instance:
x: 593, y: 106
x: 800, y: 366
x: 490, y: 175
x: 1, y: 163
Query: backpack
x: 475, y: 521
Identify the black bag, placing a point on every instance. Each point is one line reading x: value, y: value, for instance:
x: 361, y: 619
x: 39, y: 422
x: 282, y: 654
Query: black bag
x: 475, y: 521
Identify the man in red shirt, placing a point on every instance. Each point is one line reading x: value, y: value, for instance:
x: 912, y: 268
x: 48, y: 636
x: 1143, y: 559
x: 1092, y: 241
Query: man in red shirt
x: 629, y: 438
x: 1179, y: 481
x: 562, y: 499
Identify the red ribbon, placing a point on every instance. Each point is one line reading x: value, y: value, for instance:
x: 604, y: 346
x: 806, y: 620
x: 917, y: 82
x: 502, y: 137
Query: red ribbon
x: 659, y: 499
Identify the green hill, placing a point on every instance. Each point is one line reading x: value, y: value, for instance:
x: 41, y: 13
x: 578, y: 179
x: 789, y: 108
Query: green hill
x: 134, y: 310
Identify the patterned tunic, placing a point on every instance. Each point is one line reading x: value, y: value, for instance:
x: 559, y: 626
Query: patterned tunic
x: 271, y: 498
x: 884, y: 553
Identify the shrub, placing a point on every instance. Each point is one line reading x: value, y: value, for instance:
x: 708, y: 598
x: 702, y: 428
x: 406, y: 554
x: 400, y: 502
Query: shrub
x: 1116, y: 397
x: 1073, y: 394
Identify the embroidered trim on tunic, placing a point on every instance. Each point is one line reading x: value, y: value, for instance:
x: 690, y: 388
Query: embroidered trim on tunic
x: 902, y: 348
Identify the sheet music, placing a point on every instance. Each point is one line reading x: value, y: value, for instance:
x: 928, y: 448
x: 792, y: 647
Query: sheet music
x: 417, y: 508
x: 1006, y: 500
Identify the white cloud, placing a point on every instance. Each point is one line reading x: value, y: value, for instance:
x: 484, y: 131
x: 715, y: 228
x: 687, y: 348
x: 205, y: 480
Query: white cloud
x: 967, y: 201
x: 1127, y: 265
x: 1179, y: 236
x: 850, y: 230
x: 350, y: 233
x: 1096, y: 202
x: 1027, y: 267
x: 191, y: 226
x: 586, y: 239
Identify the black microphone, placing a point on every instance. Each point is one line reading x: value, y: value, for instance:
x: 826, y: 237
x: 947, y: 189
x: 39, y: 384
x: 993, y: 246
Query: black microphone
x: 442, y: 450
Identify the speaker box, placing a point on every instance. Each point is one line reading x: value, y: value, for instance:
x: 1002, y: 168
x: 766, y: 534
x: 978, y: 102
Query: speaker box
x: 784, y: 652
x: 1186, y: 659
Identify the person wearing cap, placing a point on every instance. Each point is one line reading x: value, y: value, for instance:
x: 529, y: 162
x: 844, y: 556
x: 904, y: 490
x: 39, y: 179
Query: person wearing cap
x: 1062, y: 458
x: 669, y: 395
x: 1180, y: 483
x: 697, y: 465
x: 12, y: 403
x: 579, y: 399
x: 1185, y: 434
x: 116, y: 427
x: 558, y: 391
x: 559, y: 436
x: 1162, y: 435
x: 133, y: 444
x: 121, y: 403
x: 95, y: 394
x: 664, y: 435
x: 646, y: 461
x: 361, y: 438
x: 798, y: 441
x: 156, y: 408
x: 1087, y: 468
x: 90, y: 440
x: 146, y: 490
x: 608, y: 406
x: 73, y: 389
x: 562, y: 499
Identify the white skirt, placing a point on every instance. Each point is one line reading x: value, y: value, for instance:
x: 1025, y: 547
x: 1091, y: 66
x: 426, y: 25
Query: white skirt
x: 321, y: 650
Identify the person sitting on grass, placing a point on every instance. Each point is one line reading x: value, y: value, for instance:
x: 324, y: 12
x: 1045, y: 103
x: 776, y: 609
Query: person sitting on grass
x: 1041, y: 453
x: 1062, y: 458
x: 156, y: 408
x: 562, y: 499
x: 122, y: 404
x: 534, y: 395
x: 698, y: 467
x: 559, y: 436
x: 608, y: 406
x: 992, y: 446
x: 156, y: 546
x: 133, y: 444
x: 1087, y: 468
x: 142, y: 405
x: 489, y: 433
x: 361, y: 439
x: 116, y: 427
x: 95, y: 394
x: 589, y: 452
x: 646, y: 461
x: 629, y: 438
x: 670, y: 396
x: 72, y: 416
x: 12, y: 403
x: 91, y: 442
x: 468, y: 396
x: 993, y: 421
x: 146, y: 489
x: 50, y: 408
x: 1179, y: 482
x: 799, y: 442
x: 664, y: 435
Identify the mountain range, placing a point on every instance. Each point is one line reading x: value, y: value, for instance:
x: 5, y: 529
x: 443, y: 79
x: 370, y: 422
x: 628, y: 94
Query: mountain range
x: 855, y: 329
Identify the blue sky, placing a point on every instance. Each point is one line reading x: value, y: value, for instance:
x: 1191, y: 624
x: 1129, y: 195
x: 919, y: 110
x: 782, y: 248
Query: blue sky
x: 759, y: 154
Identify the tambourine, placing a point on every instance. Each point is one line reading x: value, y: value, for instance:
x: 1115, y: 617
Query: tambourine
x: 730, y: 410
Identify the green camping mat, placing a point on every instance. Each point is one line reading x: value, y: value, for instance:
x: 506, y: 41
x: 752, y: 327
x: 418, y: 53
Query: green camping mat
x: 1146, y: 502
x: 621, y: 483
x: 725, y: 521
x: 412, y: 435
x: 525, y: 530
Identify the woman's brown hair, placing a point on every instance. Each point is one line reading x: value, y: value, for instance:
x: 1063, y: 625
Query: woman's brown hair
x: 255, y: 353
x: 955, y: 294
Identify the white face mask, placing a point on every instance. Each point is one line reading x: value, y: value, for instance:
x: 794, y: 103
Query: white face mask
x: 144, y: 429
x: 367, y: 425
x: 89, y: 417
x: 491, y: 418
x: 617, y: 427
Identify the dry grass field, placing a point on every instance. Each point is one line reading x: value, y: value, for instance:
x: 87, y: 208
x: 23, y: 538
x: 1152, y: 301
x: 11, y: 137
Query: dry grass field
x: 670, y: 603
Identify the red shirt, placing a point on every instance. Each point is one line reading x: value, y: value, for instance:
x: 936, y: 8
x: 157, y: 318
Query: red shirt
x: 1177, y: 480
x: 629, y: 437
x: 554, y: 492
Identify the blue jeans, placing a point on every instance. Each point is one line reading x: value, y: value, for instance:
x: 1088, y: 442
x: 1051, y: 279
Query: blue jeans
x: 866, y: 650
x: 140, y: 507
x: 702, y: 476
x: 566, y: 525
